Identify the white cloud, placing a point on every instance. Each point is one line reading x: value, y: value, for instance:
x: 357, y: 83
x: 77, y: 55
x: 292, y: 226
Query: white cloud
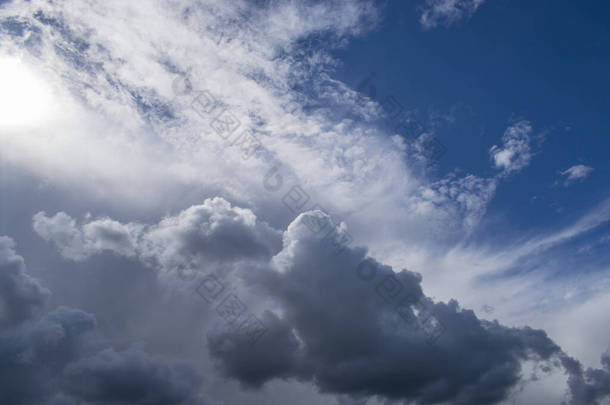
x: 515, y: 152
x: 79, y: 243
x: 575, y: 174
x: 122, y: 126
x: 458, y: 198
x: 130, y: 140
x: 206, y: 233
x: 447, y: 12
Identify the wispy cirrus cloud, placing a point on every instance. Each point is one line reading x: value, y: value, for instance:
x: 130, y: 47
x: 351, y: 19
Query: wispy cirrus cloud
x: 447, y: 12
x: 575, y: 174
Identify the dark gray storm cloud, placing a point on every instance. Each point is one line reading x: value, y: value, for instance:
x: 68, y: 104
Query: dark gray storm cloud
x: 60, y: 359
x: 21, y: 296
x: 33, y: 354
x: 355, y: 331
x: 343, y: 321
x: 359, y: 328
x: 588, y: 386
x: 277, y: 351
x: 131, y: 377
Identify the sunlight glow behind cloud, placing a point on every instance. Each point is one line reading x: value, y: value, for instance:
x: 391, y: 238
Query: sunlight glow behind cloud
x: 25, y: 100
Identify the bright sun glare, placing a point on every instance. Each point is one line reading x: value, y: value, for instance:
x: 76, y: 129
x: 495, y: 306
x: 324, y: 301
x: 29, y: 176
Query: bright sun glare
x: 25, y: 99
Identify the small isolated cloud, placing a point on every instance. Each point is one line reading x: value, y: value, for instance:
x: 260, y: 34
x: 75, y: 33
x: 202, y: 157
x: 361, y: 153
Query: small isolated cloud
x: 515, y: 153
x: 446, y: 12
x: 575, y: 174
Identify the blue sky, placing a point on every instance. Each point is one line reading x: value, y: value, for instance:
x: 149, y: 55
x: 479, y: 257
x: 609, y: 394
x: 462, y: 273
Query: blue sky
x: 546, y: 62
x: 154, y: 158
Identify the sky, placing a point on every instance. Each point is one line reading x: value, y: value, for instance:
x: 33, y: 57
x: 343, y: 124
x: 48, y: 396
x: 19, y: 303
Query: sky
x: 316, y: 202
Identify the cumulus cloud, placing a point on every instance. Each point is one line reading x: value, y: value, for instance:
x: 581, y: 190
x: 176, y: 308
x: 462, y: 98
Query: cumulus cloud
x: 33, y: 353
x: 515, y: 152
x: 447, y: 12
x: 346, y: 322
x: 58, y: 359
x: 21, y: 296
x: 354, y: 326
x: 274, y: 356
x: 47, y: 360
x: 95, y: 236
x: 575, y: 174
x: 131, y: 377
x: 589, y: 386
x: 212, y: 232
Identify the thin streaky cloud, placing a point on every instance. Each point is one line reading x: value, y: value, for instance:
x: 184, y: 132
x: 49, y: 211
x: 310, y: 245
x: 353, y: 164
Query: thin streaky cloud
x: 575, y: 174
x: 447, y: 12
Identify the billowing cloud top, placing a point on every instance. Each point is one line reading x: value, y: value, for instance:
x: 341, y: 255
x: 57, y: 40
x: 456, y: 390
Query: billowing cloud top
x: 337, y: 318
